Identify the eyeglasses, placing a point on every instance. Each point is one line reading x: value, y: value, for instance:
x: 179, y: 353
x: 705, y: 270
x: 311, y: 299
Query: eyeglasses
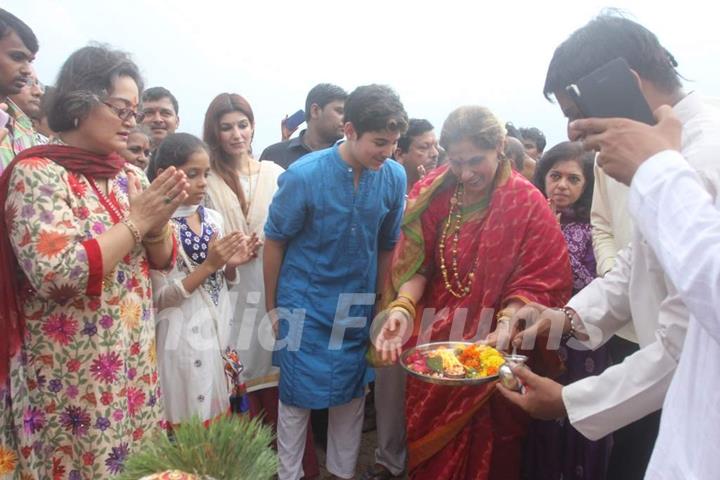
x: 136, y: 150
x: 124, y: 113
x: 34, y: 82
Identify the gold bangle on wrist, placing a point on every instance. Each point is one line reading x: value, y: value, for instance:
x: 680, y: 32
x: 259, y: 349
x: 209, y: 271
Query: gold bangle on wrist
x: 133, y: 229
x: 159, y: 238
x: 402, y: 310
x: 405, y: 303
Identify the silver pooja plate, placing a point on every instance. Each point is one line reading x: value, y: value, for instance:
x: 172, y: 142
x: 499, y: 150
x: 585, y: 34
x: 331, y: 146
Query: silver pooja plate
x: 453, y: 382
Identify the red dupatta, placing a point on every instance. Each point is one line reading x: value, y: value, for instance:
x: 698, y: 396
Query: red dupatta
x: 522, y: 255
x: 74, y: 159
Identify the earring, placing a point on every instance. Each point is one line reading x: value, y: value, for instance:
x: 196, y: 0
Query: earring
x: 76, y: 122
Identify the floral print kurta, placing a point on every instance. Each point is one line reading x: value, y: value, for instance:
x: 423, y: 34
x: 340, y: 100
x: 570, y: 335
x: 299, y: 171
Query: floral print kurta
x: 84, y: 388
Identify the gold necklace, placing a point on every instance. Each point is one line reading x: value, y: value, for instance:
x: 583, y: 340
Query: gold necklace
x: 457, y: 287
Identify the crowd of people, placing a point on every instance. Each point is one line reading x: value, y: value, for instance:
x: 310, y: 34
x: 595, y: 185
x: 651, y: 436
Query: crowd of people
x: 150, y: 276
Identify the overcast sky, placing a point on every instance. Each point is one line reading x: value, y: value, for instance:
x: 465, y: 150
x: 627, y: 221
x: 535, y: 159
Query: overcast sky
x: 436, y: 54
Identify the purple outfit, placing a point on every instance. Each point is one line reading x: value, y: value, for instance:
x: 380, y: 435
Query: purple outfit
x: 555, y: 450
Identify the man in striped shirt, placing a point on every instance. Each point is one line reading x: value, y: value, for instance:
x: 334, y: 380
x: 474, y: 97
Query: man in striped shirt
x: 18, y: 46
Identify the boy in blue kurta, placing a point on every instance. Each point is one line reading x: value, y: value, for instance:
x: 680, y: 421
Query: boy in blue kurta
x: 330, y: 232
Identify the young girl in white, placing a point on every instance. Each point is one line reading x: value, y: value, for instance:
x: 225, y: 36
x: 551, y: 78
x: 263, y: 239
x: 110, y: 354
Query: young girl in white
x: 194, y: 308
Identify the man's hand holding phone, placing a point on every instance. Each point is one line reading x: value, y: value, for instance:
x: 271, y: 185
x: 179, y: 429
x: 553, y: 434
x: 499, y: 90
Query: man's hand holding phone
x: 623, y: 144
x: 288, y: 125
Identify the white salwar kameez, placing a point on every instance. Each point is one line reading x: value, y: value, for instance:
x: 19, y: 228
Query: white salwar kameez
x: 191, y: 330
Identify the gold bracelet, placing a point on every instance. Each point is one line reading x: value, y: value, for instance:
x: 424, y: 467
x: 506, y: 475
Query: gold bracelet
x: 159, y: 238
x: 133, y: 229
x: 401, y: 296
x: 405, y: 304
x: 404, y: 311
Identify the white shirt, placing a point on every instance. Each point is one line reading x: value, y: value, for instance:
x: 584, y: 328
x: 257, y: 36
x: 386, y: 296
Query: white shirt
x: 637, y: 291
x: 611, y: 229
x: 682, y: 226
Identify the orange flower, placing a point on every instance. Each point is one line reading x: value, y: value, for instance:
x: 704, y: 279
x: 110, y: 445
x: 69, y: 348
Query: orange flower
x: 50, y: 243
x: 34, y: 163
x: 8, y: 460
x: 130, y: 312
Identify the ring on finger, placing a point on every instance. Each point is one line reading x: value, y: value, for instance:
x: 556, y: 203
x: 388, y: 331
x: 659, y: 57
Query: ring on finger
x: 168, y: 199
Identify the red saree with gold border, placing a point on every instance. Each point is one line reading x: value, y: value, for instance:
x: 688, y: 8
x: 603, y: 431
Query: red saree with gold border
x: 472, y: 432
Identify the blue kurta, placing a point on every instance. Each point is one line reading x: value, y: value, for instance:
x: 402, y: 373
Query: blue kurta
x: 333, y: 235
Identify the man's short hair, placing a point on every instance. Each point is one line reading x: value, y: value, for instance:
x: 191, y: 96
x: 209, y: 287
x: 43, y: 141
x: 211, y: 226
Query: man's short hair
x: 9, y: 22
x: 322, y: 94
x: 154, y: 94
x: 606, y: 38
x: 416, y: 127
x: 375, y: 108
x: 536, y: 136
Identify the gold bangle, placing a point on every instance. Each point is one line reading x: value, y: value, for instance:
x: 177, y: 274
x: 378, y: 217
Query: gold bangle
x: 406, y: 298
x: 133, y: 229
x: 159, y: 238
x: 403, y: 303
x: 404, y: 311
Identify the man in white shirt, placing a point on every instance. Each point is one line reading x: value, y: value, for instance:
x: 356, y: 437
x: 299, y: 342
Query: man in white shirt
x: 681, y: 223
x: 635, y: 290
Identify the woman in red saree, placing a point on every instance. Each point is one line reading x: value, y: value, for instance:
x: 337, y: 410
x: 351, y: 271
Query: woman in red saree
x: 478, y: 242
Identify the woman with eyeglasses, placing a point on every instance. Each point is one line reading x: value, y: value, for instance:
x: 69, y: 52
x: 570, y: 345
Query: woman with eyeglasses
x: 138, y: 150
x: 80, y: 231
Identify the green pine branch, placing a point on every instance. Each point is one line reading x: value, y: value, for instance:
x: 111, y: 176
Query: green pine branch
x: 231, y: 448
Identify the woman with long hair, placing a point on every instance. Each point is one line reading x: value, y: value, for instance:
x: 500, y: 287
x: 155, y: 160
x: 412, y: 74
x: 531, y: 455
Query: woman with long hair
x: 79, y: 233
x: 241, y: 188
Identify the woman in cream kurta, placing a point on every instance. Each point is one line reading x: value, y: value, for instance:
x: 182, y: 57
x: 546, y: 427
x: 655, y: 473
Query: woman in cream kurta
x: 241, y: 189
x: 251, y: 331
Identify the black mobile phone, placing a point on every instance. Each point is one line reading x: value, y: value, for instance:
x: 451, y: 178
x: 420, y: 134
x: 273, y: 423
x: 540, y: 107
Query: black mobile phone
x: 611, y: 91
x: 294, y: 120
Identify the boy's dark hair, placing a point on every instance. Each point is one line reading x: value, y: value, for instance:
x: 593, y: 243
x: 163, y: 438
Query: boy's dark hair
x: 154, y: 94
x: 374, y: 108
x: 416, y: 127
x: 84, y: 79
x: 174, y: 151
x: 9, y: 22
x: 321, y: 95
x: 606, y: 38
x: 536, y: 136
x: 569, y: 151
